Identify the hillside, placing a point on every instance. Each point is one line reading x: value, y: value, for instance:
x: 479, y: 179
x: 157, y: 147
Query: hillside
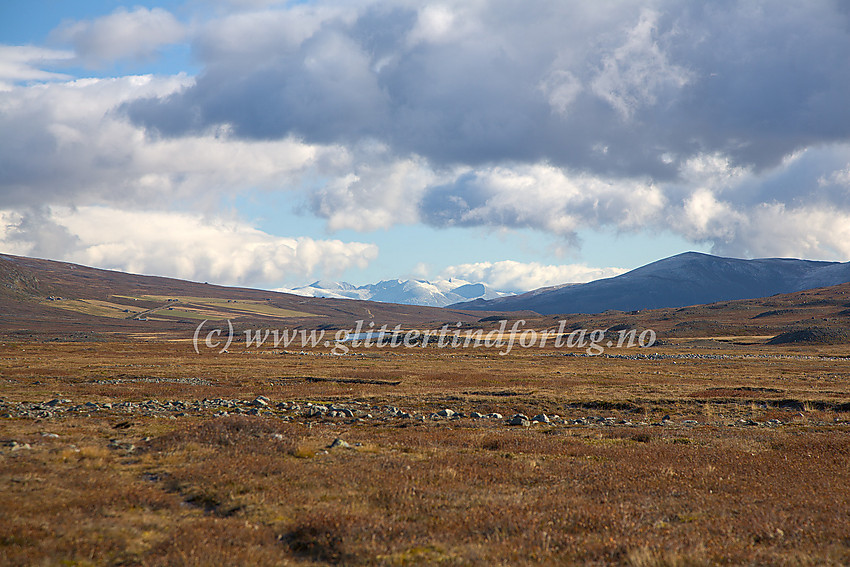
x: 814, y: 316
x: 59, y: 298
x: 685, y: 279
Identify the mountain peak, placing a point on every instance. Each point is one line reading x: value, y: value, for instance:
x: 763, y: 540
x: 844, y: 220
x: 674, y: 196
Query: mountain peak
x: 689, y: 278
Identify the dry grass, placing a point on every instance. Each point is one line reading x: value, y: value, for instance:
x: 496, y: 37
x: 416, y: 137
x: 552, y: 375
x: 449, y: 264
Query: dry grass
x: 260, y: 490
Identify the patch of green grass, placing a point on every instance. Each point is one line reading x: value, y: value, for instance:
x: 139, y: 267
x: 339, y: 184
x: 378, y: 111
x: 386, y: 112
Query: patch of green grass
x: 95, y: 307
x: 224, y: 307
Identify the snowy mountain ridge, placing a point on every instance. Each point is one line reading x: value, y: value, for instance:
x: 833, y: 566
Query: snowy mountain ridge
x: 437, y: 293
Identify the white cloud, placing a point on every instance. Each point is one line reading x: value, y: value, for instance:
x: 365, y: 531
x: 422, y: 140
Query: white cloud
x: 707, y: 218
x: 123, y: 34
x: 839, y: 177
x: 543, y: 196
x: 509, y: 275
x: 372, y: 190
x: 561, y: 89
x: 183, y: 245
x: 25, y: 63
x: 244, y: 34
x: 712, y: 171
x: 776, y: 230
x: 442, y: 23
x: 72, y: 147
x: 791, y: 210
x: 638, y: 72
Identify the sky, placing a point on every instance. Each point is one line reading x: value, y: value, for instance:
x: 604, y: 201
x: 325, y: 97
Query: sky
x: 269, y: 144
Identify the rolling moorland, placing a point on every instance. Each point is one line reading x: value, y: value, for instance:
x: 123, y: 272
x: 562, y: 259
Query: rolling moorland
x: 725, y: 442
x: 57, y: 298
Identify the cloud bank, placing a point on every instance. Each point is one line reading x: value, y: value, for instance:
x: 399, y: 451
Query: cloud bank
x: 174, y: 244
x: 509, y: 275
x: 725, y: 123
x: 572, y: 115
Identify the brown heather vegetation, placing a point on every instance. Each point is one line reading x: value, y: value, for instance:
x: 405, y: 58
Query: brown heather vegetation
x: 751, y: 468
x: 132, y: 489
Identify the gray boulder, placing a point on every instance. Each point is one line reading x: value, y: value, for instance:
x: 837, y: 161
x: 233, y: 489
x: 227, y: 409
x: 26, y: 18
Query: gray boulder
x: 338, y: 442
x: 519, y: 419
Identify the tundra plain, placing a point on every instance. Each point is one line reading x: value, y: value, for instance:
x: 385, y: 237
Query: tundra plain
x: 694, y: 452
x: 726, y: 442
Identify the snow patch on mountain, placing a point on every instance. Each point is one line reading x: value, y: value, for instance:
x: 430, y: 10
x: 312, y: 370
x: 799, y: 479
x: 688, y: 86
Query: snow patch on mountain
x: 437, y: 293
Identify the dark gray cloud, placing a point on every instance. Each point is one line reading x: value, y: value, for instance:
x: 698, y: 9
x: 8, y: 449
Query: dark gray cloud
x: 488, y: 82
x: 35, y: 232
x: 768, y: 81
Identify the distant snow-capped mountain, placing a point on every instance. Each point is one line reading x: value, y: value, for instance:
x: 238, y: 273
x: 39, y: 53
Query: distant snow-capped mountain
x: 408, y: 292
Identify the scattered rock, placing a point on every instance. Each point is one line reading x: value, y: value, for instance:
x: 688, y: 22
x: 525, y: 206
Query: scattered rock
x: 313, y: 411
x: 338, y: 442
x: 519, y: 419
x: 58, y: 408
x: 122, y: 445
